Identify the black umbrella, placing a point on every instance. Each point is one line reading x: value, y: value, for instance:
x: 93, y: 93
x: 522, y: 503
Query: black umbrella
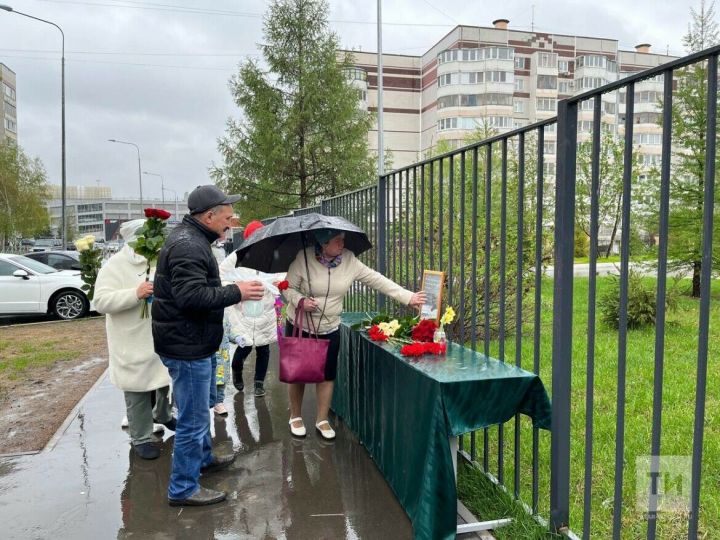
x: 272, y: 248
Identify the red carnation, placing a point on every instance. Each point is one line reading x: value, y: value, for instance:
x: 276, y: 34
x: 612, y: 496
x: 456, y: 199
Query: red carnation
x: 283, y: 285
x: 424, y: 330
x: 413, y: 349
x: 157, y: 213
x: 376, y: 334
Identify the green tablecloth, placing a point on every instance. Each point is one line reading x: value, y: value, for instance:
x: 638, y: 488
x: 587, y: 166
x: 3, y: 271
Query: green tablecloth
x: 404, y: 411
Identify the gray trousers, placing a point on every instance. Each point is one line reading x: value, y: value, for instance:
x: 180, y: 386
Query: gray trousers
x: 141, y: 413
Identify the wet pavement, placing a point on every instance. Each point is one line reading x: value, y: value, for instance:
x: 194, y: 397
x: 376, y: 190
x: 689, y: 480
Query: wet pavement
x: 91, y: 486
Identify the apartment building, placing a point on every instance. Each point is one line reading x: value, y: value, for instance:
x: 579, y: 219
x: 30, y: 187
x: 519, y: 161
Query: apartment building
x: 8, y: 103
x: 503, y: 79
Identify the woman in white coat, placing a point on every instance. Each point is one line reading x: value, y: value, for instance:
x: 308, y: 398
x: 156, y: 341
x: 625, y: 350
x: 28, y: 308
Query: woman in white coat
x: 258, y: 330
x: 135, y: 369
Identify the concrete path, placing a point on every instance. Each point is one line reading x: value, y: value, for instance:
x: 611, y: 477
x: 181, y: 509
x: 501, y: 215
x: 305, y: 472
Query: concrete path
x: 91, y: 486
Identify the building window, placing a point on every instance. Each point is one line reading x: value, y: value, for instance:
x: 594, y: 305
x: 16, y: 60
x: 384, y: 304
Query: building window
x: 646, y: 118
x: 10, y: 125
x: 517, y: 124
x: 519, y: 85
x: 563, y: 66
x: 647, y: 97
x: 10, y: 110
x: 82, y: 208
x: 648, y: 138
x: 499, y: 76
x: 519, y: 62
x: 566, y: 87
x: 585, y: 126
x: 447, y: 123
x: 547, y: 60
x: 9, y: 91
x: 89, y: 218
x: 546, y: 104
x: 497, y: 121
x: 588, y: 83
x: 355, y: 74
x: 546, y: 82
x: 519, y: 106
x: 549, y: 147
x: 597, y: 61
x: 549, y: 169
x: 472, y: 55
x: 651, y: 160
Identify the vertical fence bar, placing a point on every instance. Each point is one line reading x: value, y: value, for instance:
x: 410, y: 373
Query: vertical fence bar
x: 518, y: 295
x: 380, y: 194
x: 503, y: 260
x: 392, y: 221
x: 440, y: 212
x: 622, y: 326
x: 473, y: 316
x: 451, y: 211
x: 423, y: 230
x: 562, y: 315
x: 463, y: 213
x: 590, y: 364
x: 706, y: 275
x: 407, y: 228
x: 432, y: 215
x: 486, y: 293
x: 415, y: 232
x: 539, y: 194
x: 661, y: 295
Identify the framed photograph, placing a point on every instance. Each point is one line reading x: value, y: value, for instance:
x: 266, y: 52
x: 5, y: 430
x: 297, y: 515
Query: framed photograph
x: 433, y: 283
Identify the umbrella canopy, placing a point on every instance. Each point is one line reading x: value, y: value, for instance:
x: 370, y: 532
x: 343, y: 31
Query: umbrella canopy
x: 272, y: 248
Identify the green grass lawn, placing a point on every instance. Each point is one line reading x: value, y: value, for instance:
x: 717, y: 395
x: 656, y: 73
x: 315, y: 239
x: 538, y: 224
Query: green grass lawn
x: 677, y: 422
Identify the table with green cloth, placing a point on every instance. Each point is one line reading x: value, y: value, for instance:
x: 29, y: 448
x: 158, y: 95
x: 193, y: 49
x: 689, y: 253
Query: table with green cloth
x: 405, y: 410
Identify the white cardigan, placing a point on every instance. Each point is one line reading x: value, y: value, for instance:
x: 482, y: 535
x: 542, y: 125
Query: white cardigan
x: 256, y: 331
x: 329, y: 286
x: 134, y: 366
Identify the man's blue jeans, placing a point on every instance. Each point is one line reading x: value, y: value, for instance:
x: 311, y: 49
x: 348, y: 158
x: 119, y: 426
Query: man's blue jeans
x: 193, y: 445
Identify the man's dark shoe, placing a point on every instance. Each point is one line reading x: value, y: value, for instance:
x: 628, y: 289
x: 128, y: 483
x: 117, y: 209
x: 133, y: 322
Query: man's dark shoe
x: 259, y: 389
x: 202, y: 497
x: 218, y: 463
x: 170, y: 424
x: 147, y: 450
x: 237, y: 380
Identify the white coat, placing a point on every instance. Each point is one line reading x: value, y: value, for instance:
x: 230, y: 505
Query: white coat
x: 134, y: 366
x: 255, y: 331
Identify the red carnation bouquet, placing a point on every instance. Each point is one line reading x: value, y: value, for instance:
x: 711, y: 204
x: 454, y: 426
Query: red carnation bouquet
x: 150, y: 240
x: 424, y: 330
x: 418, y: 348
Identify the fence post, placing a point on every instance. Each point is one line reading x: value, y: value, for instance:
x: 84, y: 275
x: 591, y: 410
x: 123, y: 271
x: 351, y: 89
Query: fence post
x: 562, y: 315
x: 381, y: 233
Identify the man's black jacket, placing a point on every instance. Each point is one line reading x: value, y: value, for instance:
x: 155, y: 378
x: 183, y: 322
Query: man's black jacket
x: 188, y: 303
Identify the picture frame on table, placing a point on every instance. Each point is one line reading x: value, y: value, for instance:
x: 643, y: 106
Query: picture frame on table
x: 433, y: 283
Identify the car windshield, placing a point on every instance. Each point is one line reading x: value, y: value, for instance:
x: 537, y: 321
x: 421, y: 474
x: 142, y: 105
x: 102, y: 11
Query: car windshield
x: 35, y: 266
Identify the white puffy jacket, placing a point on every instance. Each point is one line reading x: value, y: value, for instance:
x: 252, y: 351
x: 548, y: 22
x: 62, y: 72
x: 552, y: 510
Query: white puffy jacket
x: 134, y: 366
x: 256, y: 331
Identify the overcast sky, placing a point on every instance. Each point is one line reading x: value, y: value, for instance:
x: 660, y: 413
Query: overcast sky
x: 156, y: 72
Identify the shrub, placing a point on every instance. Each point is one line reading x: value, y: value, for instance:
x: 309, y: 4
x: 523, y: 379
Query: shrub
x: 642, y: 305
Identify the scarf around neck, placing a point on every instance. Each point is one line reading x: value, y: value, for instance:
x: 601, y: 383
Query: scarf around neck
x: 325, y: 261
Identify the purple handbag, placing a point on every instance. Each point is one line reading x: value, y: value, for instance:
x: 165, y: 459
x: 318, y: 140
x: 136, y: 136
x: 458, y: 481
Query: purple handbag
x: 302, y: 359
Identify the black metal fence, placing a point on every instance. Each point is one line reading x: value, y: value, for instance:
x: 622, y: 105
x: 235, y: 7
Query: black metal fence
x: 490, y: 217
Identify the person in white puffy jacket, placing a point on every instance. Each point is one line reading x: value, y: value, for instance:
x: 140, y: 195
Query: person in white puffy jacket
x: 247, y: 330
x: 135, y: 369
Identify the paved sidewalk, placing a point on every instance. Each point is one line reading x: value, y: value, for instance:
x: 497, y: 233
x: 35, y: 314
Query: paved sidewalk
x: 91, y: 486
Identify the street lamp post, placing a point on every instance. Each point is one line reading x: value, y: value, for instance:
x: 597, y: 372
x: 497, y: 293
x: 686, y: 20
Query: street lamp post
x: 162, y: 184
x: 139, y: 166
x: 63, y: 186
x: 176, y: 201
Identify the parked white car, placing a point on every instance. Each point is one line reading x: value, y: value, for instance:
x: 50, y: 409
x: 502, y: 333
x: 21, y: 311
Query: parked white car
x: 29, y: 286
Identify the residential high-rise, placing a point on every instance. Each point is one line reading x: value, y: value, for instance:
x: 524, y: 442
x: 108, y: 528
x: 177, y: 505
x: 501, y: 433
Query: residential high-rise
x: 503, y: 79
x: 8, y: 103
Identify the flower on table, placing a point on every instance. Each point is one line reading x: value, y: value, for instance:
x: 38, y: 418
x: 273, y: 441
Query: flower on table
x: 376, y: 334
x: 389, y: 328
x: 448, y: 316
x: 419, y: 348
x: 424, y: 330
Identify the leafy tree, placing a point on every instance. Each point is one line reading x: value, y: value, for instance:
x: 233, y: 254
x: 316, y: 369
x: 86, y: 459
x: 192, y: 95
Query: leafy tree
x: 689, y: 124
x: 303, y: 136
x: 23, y: 193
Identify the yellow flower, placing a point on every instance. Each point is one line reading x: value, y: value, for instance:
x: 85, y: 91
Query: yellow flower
x: 82, y: 244
x: 90, y: 239
x: 448, y: 316
x: 389, y: 328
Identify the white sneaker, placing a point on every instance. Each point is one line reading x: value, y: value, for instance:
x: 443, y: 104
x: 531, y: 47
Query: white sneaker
x: 124, y: 422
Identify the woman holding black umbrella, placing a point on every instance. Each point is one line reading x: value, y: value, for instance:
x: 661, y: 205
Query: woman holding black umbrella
x: 322, y: 274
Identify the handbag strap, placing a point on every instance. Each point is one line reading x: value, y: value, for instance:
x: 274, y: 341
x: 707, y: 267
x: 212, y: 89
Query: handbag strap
x: 298, y: 326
